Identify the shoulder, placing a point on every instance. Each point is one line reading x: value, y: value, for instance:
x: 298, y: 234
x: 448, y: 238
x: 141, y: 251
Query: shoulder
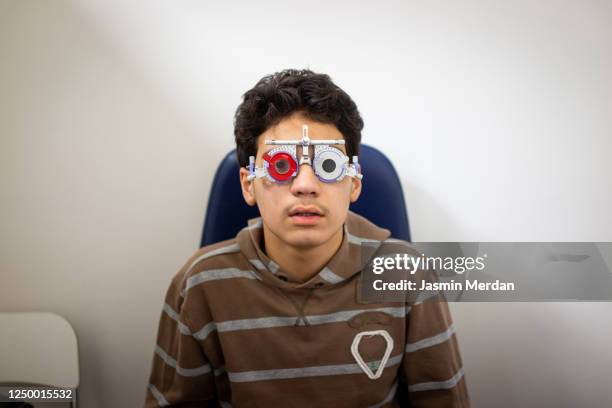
x: 393, y: 245
x: 361, y: 229
x: 214, y: 257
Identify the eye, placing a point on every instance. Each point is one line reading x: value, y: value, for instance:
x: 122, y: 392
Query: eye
x: 329, y: 164
x: 281, y: 165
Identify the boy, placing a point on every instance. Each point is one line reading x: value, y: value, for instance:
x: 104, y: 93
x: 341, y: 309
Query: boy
x: 272, y: 317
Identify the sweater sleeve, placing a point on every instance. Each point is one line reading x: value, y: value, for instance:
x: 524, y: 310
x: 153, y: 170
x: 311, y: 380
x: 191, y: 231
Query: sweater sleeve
x: 432, y: 366
x: 181, y: 374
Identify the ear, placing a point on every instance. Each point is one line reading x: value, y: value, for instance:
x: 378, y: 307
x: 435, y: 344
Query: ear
x: 247, y: 187
x: 355, y: 189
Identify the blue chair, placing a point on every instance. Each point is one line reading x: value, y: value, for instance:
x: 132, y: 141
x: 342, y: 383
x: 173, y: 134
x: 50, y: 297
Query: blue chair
x: 381, y: 200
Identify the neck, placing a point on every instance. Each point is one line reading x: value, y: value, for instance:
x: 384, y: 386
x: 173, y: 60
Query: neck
x: 301, y: 263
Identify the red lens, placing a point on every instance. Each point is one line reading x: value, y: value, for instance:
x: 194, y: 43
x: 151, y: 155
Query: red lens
x: 281, y: 165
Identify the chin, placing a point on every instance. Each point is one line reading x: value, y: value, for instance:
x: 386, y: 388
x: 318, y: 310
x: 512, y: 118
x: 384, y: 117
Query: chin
x: 306, y: 239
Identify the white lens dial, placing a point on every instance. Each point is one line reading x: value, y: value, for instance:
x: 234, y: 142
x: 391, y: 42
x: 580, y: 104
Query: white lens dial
x: 329, y: 163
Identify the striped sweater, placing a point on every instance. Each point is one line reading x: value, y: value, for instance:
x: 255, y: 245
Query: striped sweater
x: 236, y: 331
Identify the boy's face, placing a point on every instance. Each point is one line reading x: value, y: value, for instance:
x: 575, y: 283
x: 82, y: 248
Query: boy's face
x: 282, y: 205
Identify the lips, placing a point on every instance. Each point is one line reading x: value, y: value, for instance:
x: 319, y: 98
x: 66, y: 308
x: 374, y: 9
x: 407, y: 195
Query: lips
x: 305, y: 215
x: 309, y: 211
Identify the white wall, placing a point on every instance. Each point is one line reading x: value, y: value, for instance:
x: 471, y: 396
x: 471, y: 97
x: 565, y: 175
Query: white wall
x: 113, y: 117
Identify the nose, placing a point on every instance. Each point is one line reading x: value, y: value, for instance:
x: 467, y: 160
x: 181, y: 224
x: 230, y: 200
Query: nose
x: 306, y: 182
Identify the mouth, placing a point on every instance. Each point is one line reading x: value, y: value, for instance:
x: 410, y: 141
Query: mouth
x: 305, y: 215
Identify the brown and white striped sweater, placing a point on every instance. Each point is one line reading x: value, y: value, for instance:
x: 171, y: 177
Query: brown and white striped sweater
x: 236, y: 332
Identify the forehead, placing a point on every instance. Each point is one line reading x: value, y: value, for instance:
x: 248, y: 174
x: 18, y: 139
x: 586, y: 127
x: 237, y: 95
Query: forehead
x: 290, y: 128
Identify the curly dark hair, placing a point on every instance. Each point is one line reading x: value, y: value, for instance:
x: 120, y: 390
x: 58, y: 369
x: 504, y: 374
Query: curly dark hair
x: 277, y: 96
